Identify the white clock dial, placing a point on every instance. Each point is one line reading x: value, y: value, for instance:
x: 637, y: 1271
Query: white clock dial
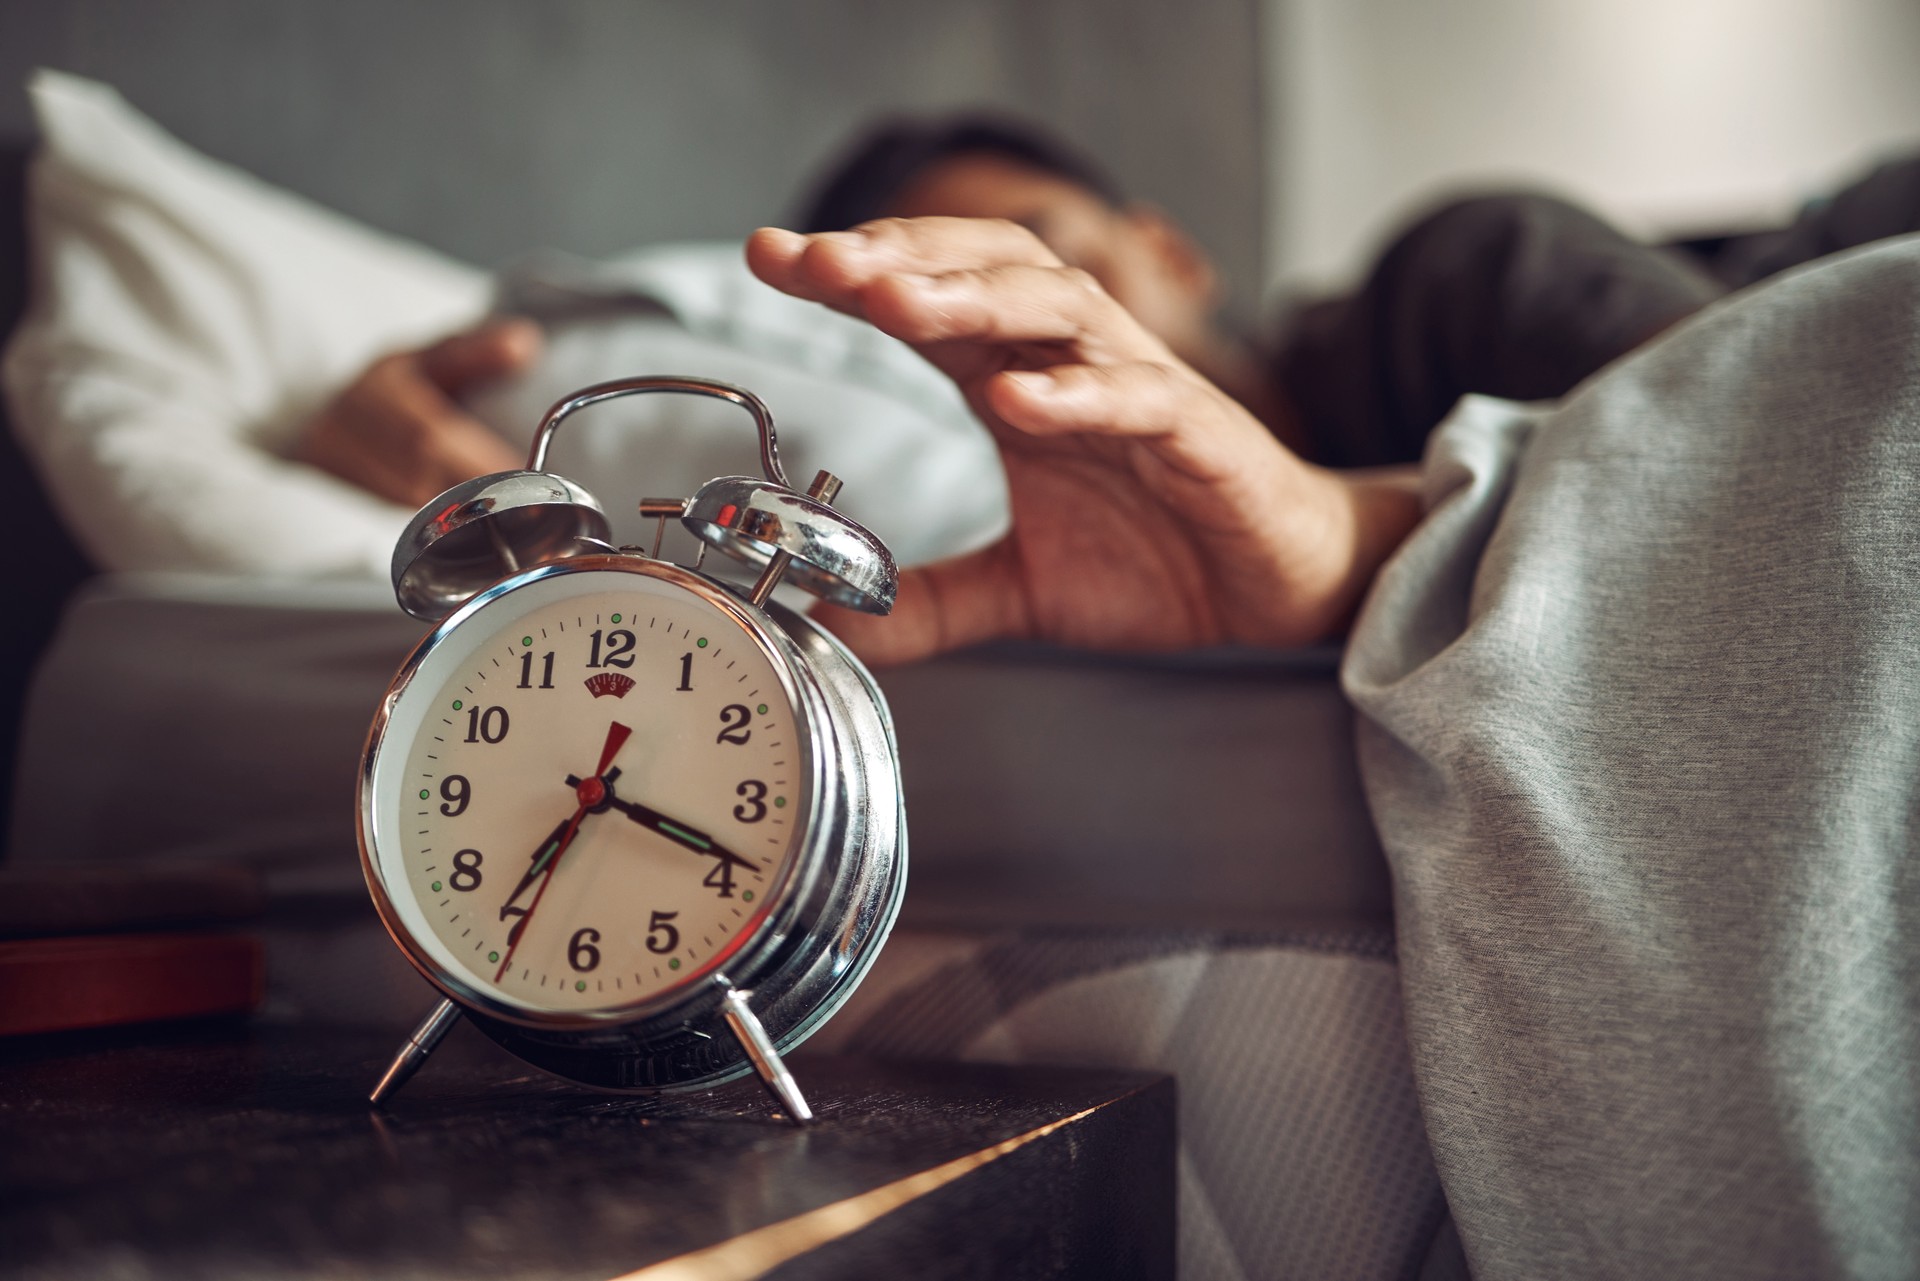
x: 553, y: 879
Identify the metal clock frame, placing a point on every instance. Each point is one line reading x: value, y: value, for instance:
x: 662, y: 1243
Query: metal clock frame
x: 462, y: 988
x: 848, y: 868
x: 841, y: 890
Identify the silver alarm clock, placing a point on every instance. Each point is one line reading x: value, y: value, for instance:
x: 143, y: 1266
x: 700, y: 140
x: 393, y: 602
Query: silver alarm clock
x: 642, y: 827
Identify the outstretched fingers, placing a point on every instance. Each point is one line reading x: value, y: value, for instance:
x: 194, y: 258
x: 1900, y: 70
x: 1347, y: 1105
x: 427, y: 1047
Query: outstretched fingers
x: 1183, y: 420
x: 834, y: 263
x: 1134, y: 398
x: 938, y: 279
x: 1010, y: 304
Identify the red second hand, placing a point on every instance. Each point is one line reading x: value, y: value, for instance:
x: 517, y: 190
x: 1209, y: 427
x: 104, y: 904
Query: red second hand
x: 591, y: 792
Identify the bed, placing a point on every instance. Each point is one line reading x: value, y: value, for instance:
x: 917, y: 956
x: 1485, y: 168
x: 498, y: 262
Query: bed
x: 1203, y: 895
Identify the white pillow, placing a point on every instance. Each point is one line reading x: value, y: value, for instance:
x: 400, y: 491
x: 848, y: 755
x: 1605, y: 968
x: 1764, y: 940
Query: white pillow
x: 920, y: 470
x: 186, y: 319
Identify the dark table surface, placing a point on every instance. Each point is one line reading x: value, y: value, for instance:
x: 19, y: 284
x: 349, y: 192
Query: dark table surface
x: 234, y: 1149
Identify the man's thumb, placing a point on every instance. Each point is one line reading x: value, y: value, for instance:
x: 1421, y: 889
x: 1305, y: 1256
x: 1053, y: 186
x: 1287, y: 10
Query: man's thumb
x: 497, y: 348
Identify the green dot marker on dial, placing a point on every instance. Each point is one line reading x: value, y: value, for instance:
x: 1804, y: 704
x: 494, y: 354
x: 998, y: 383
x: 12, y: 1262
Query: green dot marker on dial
x: 746, y: 896
x: 763, y: 709
x: 674, y: 964
x: 456, y: 704
x: 525, y: 641
x: 436, y: 887
x: 702, y: 642
x: 423, y: 793
x: 616, y: 618
x: 579, y: 985
x: 779, y: 802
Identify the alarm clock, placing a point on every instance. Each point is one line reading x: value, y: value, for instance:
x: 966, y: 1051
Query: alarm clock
x: 640, y: 825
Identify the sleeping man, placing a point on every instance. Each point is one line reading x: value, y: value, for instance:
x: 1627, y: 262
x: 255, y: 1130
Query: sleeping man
x: 1518, y: 296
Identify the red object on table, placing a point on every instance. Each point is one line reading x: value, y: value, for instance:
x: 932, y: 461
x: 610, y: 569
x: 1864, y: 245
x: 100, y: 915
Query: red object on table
x: 57, y: 984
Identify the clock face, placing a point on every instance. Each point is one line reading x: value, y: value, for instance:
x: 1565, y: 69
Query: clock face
x: 590, y: 791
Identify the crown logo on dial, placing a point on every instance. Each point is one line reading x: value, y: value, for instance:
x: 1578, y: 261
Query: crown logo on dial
x: 605, y: 683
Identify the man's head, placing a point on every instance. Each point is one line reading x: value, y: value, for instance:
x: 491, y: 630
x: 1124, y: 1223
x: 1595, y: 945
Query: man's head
x: 983, y: 167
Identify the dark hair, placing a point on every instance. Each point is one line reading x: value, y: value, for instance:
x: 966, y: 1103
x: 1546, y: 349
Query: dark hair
x: 868, y: 175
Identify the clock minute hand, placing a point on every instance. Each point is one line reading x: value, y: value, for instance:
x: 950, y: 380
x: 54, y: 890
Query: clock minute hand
x: 542, y: 855
x: 589, y: 794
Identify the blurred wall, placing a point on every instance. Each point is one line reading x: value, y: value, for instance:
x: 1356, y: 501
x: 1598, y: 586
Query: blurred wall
x: 489, y: 126
x: 1289, y: 134
x: 1670, y: 115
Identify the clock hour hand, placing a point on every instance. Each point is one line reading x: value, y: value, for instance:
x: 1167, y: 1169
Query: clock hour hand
x: 679, y: 833
x: 537, y: 862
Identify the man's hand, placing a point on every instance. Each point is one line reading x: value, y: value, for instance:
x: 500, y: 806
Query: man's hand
x: 1150, y: 511
x: 398, y: 431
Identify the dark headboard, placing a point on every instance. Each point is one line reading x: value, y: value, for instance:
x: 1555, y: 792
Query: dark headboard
x: 46, y: 563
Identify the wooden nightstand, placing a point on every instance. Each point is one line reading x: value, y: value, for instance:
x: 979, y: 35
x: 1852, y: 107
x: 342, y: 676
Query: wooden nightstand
x: 248, y: 1150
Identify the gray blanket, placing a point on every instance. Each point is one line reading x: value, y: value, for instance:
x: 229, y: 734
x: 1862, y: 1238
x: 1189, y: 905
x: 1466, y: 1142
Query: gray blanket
x: 1640, y: 713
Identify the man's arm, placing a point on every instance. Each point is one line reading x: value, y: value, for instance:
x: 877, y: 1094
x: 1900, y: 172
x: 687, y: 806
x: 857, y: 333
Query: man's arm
x: 397, y: 430
x: 1150, y: 511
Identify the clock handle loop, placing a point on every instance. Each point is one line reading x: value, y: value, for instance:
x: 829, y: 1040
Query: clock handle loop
x: 482, y: 529
x: 586, y: 396
x: 780, y: 533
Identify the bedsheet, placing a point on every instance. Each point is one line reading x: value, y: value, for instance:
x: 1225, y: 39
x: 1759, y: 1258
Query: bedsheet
x: 1643, y: 738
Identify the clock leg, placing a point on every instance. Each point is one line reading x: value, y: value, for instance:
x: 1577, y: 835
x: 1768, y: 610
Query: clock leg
x: 766, y: 1059
x: 435, y: 1026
